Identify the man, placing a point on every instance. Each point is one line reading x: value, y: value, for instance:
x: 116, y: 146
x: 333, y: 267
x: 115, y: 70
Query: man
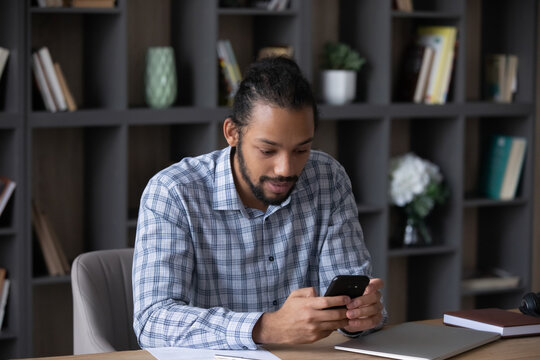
x: 234, y: 247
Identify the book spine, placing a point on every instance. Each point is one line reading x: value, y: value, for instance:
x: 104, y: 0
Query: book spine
x: 48, y: 67
x: 42, y: 83
x: 496, y: 164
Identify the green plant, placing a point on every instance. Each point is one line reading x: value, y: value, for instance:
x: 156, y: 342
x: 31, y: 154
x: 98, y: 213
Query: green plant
x: 340, y: 56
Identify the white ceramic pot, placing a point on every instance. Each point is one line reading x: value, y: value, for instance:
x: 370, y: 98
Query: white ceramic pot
x: 338, y: 86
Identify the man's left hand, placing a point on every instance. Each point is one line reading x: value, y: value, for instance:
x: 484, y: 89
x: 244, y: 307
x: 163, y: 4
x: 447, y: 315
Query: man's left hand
x: 365, y: 312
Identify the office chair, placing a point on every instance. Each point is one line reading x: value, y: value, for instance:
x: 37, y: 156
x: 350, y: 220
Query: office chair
x: 103, y: 302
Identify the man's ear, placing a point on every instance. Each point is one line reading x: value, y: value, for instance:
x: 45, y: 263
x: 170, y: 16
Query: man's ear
x: 230, y: 131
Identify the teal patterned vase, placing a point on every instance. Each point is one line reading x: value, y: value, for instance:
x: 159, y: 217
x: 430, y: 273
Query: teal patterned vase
x: 160, y: 77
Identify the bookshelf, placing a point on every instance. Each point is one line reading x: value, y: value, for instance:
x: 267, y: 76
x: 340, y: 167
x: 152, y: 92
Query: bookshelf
x: 88, y: 168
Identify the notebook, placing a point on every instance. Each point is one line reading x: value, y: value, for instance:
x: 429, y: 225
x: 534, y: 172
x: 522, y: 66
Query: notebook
x: 418, y: 341
x: 506, y: 323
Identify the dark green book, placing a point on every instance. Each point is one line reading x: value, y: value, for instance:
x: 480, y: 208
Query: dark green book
x: 495, y: 163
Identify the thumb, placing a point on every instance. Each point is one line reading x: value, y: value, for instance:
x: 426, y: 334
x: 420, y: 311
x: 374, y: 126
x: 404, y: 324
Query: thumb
x: 304, y: 292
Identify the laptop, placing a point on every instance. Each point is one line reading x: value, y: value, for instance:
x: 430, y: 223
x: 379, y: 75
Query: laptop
x: 413, y: 340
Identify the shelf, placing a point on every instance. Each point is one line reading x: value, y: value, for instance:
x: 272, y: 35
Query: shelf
x: 79, y: 118
x: 177, y: 115
x: 70, y: 10
x: 518, y: 289
x: 9, y: 120
x: 436, y: 15
x: 483, y: 202
x: 365, y: 209
x: 7, y: 231
x: 422, y: 251
x: 255, y: 12
x: 51, y: 280
x: 7, y: 335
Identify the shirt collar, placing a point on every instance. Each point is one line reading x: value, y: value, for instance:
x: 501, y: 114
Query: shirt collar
x: 225, y: 196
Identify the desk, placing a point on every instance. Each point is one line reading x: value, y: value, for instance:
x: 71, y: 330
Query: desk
x: 507, y: 349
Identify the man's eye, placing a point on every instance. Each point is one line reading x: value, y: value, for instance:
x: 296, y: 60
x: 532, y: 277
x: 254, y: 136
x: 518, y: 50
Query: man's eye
x: 301, y: 151
x: 266, y: 152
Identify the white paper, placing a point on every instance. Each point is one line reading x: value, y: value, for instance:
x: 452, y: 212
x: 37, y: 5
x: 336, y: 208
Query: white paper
x: 180, y: 353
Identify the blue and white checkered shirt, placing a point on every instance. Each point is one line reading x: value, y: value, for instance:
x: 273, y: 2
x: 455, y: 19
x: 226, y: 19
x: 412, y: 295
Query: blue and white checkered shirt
x: 206, y: 268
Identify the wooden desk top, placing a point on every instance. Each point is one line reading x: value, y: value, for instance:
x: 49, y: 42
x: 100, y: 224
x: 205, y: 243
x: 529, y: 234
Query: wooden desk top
x: 508, y: 349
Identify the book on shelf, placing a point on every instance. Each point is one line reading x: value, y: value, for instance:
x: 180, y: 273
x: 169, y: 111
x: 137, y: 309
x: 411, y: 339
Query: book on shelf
x: 93, y: 3
x: 41, y: 83
x: 4, y: 292
x: 229, y: 67
x: 268, y: 51
x: 503, y: 322
x: 414, y: 76
x: 443, y: 40
x: 500, y: 76
x: 51, y: 3
x: 7, y: 187
x: 503, y: 163
x: 51, y: 78
x: 70, y: 102
x: 4, y: 54
x: 274, y: 5
x: 403, y: 5
x: 489, y: 280
x: 53, y: 254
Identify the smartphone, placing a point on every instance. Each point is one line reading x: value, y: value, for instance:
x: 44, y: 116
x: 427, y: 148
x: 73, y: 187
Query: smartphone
x: 351, y: 285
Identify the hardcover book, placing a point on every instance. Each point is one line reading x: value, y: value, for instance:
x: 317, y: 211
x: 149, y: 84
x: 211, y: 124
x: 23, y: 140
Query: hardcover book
x: 503, y: 322
x: 503, y: 162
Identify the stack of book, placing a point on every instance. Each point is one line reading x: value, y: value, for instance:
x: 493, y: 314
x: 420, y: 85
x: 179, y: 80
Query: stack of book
x: 51, y: 82
x: 428, y: 65
x: 503, y: 162
x: 501, y: 77
x: 229, y: 68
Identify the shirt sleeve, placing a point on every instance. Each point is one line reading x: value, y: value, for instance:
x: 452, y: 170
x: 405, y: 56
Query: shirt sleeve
x: 163, y: 269
x: 344, y: 251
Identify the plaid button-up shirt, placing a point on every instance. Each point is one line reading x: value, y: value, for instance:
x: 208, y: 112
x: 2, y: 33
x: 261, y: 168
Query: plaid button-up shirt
x: 206, y: 268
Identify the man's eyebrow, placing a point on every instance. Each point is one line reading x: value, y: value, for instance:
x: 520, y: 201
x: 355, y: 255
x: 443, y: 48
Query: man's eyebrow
x: 273, y: 143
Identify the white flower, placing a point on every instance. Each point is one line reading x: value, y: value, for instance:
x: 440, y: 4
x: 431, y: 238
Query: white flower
x: 409, y: 176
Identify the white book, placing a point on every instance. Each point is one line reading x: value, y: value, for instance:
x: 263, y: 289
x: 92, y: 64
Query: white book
x: 6, y: 191
x: 425, y: 69
x: 513, y: 168
x: 52, y: 79
x: 3, y: 301
x: 42, y: 83
x: 4, y: 54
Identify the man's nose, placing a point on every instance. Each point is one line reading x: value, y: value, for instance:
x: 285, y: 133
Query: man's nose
x: 284, y: 165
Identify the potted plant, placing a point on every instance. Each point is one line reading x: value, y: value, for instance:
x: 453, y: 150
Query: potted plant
x: 340, y: 65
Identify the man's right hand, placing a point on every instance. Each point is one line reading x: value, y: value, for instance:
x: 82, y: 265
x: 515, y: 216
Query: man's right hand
x: 302, y: 319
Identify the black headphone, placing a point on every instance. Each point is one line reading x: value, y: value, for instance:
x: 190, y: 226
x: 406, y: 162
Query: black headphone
x: 530, y: 304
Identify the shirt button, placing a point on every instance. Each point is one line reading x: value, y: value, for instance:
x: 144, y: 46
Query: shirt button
x: 271, y: 258
x: 274, y: 302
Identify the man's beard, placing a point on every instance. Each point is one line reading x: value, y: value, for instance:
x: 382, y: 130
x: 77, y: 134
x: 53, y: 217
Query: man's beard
x: 257, y: 190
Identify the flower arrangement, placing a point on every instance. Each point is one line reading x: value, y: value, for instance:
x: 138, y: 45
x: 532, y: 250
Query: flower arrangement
x: 417, y: 186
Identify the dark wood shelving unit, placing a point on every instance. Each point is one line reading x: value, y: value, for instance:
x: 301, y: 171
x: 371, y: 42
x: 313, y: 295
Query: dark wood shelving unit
x: 88, y: 168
